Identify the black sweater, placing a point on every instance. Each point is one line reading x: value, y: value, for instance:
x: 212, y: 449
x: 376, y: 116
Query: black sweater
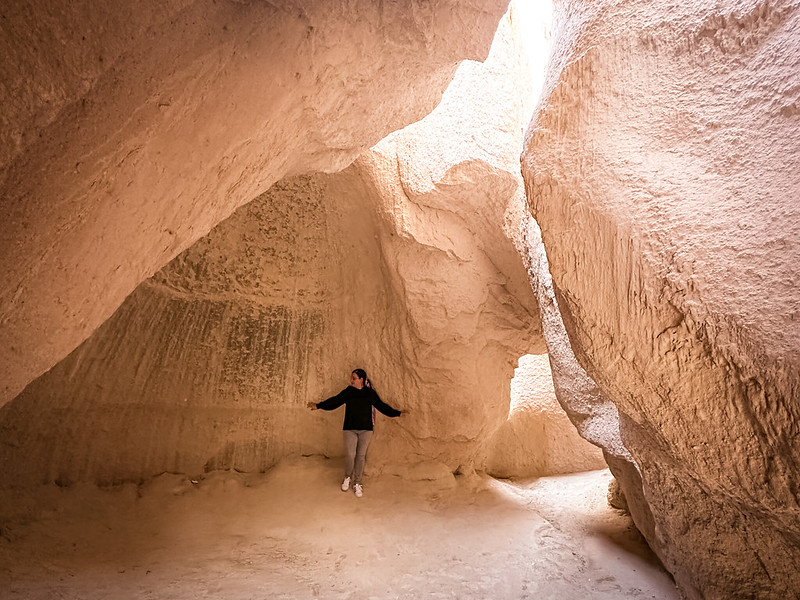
x: 358, y: 407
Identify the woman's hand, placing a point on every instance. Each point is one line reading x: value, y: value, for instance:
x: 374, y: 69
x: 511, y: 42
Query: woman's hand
x: 312, y: 405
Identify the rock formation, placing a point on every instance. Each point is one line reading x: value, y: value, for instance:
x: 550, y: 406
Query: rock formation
x: 407, y: 263
x: 216, y: 176
x: 660, y: 167
x: 127, y: 131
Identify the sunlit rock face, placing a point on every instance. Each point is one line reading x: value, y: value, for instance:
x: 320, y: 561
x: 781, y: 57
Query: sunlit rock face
x: 128, y: 130
x: 660, y: 167
x: 452, y: 195
x: 407, y: 264
x: 538, y: 438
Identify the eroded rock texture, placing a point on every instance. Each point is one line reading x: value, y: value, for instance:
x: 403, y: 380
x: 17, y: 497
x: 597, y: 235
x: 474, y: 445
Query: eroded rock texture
x: 660, y: 168
x: 209, y: 364
x: 453, y: 198
x: 128, y: 130
x: 407, y: 263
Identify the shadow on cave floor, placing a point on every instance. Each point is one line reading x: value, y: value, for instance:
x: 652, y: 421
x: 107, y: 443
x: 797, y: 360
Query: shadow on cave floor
x: 291, y: 533
x: 579, y: 501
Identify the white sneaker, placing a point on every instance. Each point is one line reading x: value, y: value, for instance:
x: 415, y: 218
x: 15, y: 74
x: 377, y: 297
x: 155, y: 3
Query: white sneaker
x: 357, y: 487
x: 346, y: 484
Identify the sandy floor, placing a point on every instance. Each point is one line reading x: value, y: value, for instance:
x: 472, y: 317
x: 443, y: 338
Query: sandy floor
x: 293, y: 534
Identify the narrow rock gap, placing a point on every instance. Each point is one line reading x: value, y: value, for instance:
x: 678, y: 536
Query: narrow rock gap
x: 213, y: 212
x: 538, y: 438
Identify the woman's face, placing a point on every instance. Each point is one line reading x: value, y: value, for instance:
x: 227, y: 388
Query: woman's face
x: 356, y: 381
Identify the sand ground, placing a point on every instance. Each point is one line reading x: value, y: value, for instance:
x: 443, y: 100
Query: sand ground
x: 292, y: 533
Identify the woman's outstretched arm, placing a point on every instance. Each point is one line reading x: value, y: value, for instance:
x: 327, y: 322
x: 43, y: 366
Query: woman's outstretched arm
x: 383, y: 407
x: 331, y: 403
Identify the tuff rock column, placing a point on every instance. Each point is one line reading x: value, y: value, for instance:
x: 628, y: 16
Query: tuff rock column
x: 660, y: 167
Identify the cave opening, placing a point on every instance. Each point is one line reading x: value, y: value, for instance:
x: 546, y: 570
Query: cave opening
x: 172, y: 452
x: 538, y: 439
x: 212, y: 212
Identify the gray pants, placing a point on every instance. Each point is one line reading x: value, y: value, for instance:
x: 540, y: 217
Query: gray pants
x: 356, y: 442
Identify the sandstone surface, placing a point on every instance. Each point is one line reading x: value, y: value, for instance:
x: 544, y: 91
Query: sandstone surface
x: 452, y: 197
x: 291, y: 533
x: 538, y: 437
x: 660, y: 166
x: 407, y: 264
x: 128, y: 130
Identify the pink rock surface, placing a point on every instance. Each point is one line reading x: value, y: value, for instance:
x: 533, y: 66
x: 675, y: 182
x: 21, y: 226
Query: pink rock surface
x: 130, y: 129
x: 660, y: 167
x: 407, y: 264
x: 538, y: 438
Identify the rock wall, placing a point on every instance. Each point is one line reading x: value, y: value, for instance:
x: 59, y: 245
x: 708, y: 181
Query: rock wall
x: 594, y: 415
x: 209, y: 364
x: 406, y: 263
x: 452, y: 195
x: 659, y: 166
x: 128, y: 130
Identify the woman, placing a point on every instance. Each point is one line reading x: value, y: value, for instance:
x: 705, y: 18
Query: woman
x: 359, y: 399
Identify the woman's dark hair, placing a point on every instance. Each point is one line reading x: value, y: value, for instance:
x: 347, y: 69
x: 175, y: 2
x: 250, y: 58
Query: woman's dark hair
x: 362, y: 374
